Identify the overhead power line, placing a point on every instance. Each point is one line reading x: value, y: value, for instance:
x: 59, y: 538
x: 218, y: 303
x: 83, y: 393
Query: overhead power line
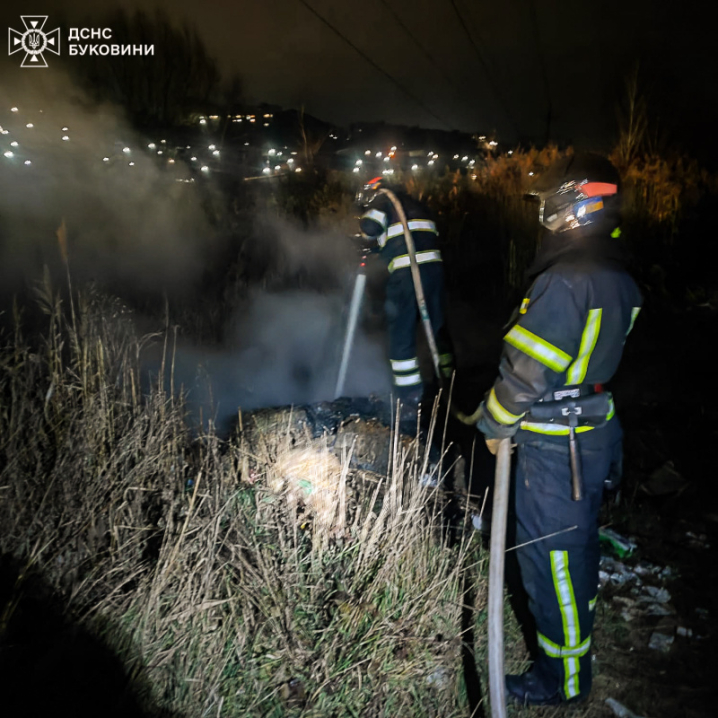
x: 392, y: 79
x: 487, y: 71
x: 425, y: 52
x: 461, y: 92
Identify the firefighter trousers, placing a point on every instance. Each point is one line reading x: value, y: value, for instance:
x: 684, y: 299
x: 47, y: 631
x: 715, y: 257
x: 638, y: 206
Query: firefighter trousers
x: 402, y: 314
x: 560, y: 572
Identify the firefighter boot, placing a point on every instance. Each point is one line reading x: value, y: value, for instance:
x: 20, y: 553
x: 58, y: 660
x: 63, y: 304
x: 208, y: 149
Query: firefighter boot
x: 537, y: 687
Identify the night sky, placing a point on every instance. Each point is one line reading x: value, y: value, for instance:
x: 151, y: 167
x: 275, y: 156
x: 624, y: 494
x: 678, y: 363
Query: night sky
x: 577, y: 55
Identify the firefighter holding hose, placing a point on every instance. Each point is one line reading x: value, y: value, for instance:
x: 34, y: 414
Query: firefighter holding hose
x: 563, y: 346
x: 382, y: 226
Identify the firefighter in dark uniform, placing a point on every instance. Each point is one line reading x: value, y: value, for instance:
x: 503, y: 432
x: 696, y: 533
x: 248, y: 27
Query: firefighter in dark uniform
x: 381, y: 226
x: 562, y: 348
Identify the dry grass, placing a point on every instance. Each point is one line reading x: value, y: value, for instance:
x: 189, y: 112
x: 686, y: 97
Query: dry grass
x: 210, y: 570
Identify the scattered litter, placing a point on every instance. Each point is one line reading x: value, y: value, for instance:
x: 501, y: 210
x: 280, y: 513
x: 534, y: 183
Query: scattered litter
x: 661, y: 642
x: 655, y: 600
x: 664, y: 481
x: 620, y: 545
x: 649, y: 569
x: 659, y: 595
x: 685, y: 632
x: 617, y: 573
x: 619, y: 709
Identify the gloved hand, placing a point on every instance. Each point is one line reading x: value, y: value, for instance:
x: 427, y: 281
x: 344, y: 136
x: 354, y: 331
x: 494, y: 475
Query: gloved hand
x: 492, y: 429
x: 363, y: 244
x: 493, y: 445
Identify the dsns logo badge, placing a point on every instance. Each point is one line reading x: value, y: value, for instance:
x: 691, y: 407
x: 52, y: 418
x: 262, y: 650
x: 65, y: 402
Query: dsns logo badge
x: 33, y: 41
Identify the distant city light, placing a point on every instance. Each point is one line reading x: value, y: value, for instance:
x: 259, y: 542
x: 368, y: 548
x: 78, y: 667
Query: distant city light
x: 152, y: 146
x: 356, y: 169
x: 415, y: 167
x: 386, y: 159
x: 430, y: 162
x: 378, y: 154
x: 194, y: 159
x: 368, y: 152
x: 299, y: 169
x: 272, y: 152
x: 170, y: 162
x: 493, y: 143
x: 277, y: 168
x: 164, y: 142
x: 511, y: 152
x: 126, y: 150
x: 464, y: 158
x: 203, y: 121
x: 27, y: 162
x: 290, y: 161
x: 204, y: 168
x: 216, y: 153
x: 266, y: 170
x: 456, y: 157
x: 531, y: 174
x: 211, y: 147
x: 13, y: 109
x: 160, y: 152
x: 393, y: 149
x: 358, y: 163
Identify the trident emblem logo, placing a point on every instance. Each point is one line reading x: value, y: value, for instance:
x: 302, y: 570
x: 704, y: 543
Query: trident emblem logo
x: 33, y: 42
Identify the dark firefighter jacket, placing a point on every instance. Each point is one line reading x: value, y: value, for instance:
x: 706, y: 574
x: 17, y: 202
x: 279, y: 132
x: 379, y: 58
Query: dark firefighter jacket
x: 568, y: 333
x: 381, y: 224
